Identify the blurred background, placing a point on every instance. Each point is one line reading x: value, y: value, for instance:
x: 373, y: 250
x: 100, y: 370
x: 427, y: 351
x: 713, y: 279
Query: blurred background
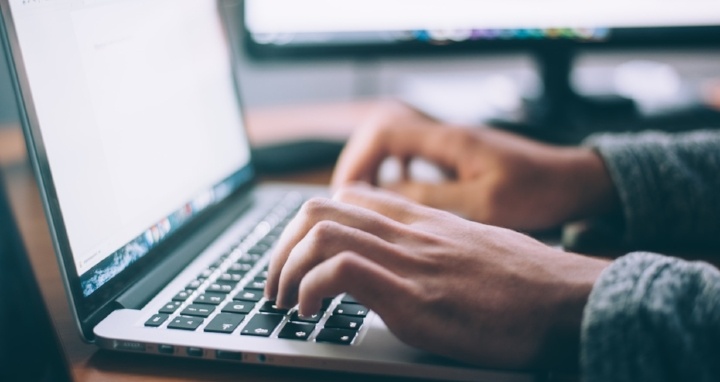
x: 452, y: 79
x: 469, y: 87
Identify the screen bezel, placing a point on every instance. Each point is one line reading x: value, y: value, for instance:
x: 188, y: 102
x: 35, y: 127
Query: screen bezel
x: 91, y: 309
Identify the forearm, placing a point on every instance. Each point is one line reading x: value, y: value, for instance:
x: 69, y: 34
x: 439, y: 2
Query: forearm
x: 668, y: 184
x: 652, y: 318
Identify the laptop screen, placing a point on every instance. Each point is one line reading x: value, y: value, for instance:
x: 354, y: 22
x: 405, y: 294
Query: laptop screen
x: 138, y: 111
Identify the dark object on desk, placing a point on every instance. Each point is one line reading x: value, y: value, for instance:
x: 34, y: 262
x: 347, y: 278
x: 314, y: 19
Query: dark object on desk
x: 294, y: 156
x: 30, y: 350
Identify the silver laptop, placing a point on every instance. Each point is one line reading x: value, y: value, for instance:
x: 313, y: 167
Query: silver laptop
x: 133, y: 123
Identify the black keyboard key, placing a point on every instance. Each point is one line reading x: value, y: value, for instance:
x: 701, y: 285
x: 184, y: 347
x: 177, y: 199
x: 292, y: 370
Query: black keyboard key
x: 240, y: 268
x: 220, y: 288
x: 256, y: 285
x: 296, y: 331
x: 232, y: 283
x: 253, y: 255
x: 326, y: 302
x: 336, y: 336
x: 182, y: 296
x: 207, y: 273
x: 344, y: 322
x: 351, y: 310
x: 245, y: 260
x: 185, y: 323
x: 251, y: 258
x: 199, y: 310
x: 262, y: 245
x: 170, y: 307
x: 156, y: 320
x: 218, y: 262
x: 210, y: 298
x: 348, y: 299
x: 268, y: 240
x: 194, y: 352
x: 249, y: 295
x: 228, y: 277
x: 315, y: 318
x: 242, y: 307
x: 262, y: 325
x: 195, y: 284
x: 269, y: 307
x: 258, y: 249
x: 224, y: 323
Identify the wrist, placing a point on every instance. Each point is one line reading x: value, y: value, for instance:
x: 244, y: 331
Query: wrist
x: 561, y: 346
x: 593, y: 190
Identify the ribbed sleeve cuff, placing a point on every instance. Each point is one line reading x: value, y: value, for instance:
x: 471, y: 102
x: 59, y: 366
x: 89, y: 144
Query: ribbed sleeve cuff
x: 652, y: 318
x: 668, y: 184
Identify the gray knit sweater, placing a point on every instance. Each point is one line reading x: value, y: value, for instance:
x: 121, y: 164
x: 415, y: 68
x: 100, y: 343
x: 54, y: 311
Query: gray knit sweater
x: 651, y: 317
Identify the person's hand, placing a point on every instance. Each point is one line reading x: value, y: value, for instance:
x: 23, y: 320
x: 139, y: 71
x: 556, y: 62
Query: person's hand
x: 495, y: 177
x: 461, y: 289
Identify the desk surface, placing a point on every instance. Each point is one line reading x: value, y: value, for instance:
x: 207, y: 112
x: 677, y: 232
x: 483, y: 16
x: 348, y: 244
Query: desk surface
x: 91, y: 364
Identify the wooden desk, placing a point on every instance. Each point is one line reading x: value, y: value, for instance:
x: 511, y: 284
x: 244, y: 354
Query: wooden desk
x: 91, y: 364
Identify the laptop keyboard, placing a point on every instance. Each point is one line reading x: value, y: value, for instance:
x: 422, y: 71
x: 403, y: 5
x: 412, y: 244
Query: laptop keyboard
x: 227, y: 297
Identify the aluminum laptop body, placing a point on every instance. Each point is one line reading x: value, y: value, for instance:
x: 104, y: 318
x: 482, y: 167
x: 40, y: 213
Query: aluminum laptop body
x: 132, y: 119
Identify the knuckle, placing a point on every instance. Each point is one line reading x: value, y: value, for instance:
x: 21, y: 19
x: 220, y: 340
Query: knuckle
x: 466, y: 141
x: 376, y: 134
x: 346, y: 193
x: 377, y: 127
x: 323, y: 233
x: 344, y: 265
x: 314, y: 207
x: 457, y: 137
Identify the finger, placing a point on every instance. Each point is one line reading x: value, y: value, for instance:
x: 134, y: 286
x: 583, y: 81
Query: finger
x: 448, y: 196
x: 372, y: 285
x: 405, y: 168
x: 326, y: 240
x: 389, y: 204
x: 361, y: 158
x: 315, y: 211
x: 370, y: 146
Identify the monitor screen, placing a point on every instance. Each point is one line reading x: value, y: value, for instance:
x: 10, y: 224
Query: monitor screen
x: 308, y: 23
x: 136, y: 104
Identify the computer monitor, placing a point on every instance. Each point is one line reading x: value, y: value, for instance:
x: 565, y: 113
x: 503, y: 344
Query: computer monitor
x: 552, y: 30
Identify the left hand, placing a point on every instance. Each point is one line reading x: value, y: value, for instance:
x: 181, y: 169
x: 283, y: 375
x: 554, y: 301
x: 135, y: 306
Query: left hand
x: 468, y: 291
x: 494, y: 177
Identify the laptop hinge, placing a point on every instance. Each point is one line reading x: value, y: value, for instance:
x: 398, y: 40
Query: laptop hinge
x: 147, y: 287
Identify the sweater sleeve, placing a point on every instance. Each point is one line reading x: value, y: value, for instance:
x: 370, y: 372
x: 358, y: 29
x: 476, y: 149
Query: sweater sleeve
x: 668, y: 184
x: 652, y: 318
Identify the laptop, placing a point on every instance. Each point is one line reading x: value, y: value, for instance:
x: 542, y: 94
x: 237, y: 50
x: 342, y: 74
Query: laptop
x: 29, y: 346
x: 134, y: 126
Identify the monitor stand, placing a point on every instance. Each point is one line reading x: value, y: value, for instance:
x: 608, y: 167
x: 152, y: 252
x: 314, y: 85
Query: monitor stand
x: 560, y: 115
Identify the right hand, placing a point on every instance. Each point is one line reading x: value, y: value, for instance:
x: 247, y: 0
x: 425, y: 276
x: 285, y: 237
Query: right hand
x: 477, y: 293
x: 497, y: 178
